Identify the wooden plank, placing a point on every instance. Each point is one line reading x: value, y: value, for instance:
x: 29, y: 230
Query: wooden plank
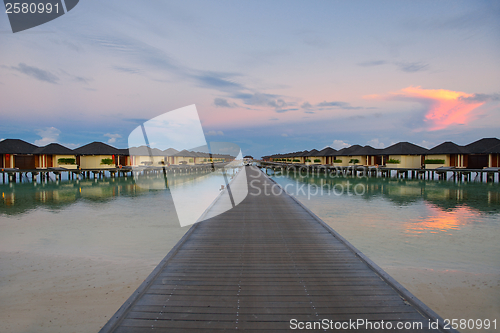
x: 256, y: 317
x: 340, y: 309
x: 256, y: 267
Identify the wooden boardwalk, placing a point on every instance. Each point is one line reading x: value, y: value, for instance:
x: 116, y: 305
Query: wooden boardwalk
x: 260, y: 265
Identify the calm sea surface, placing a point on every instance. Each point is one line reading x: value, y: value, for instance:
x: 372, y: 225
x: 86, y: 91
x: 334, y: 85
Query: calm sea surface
x: 439, y: 239
x: 421, y: 223
x: 400, y: 224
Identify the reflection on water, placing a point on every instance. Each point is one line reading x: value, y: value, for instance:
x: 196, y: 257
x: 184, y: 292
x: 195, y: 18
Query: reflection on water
x: 413, y: 223
x: 18, y: 198
x: 480, y: 197
x: 438, y: 239
x: 440, y: 220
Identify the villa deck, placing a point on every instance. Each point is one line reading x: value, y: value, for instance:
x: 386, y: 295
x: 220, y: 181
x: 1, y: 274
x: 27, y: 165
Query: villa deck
x: 267, y: 261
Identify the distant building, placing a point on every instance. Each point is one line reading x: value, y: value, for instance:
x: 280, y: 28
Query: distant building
x: 15, y: 153
x: 97, y: 155
x: 55, y: 155
x: 404, y: 155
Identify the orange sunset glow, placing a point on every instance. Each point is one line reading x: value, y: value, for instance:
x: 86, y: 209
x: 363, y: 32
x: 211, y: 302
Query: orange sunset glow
x: 445, y: 107
x: 441, y: 220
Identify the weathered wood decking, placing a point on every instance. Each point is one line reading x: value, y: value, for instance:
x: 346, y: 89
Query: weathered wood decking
x: 258, y: 266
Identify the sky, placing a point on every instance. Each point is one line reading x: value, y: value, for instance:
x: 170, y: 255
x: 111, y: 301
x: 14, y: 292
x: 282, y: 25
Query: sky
x: 269, y: 76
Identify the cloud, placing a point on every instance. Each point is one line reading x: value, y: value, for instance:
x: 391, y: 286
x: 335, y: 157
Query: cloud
x: 217, y: 80
x: 372, y: 63
x: 261, y: 99
x: 36, y: 73
x: 375, y: 143
x: 145, y: 57
x: 223, y: 103
x: 72, y: 145
x: 284, y: 135
x: 278, y: 104
x: 306, y: 105
x: 412, y: 67
x: 285, y: 110
x: 76, y: 78
x: 443, y: 108
x: 49, y: 135
x: 214, y: 133
x: 128, y: 70
x: 339, y: 144
x: 408, y: 67
x: 480, y: 98
x: 112, y: 137
x: 340, y: 105
x: 426, y: 144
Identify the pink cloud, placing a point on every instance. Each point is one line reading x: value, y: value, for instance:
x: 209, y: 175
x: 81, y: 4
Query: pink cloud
x: 444, y: 107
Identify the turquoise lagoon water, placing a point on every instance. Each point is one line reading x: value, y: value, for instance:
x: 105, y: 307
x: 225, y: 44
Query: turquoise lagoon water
x: 440, y: 239
x: 71, y: 252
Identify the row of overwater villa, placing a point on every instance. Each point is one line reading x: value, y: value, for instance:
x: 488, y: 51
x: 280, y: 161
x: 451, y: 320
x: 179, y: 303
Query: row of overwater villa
x: 18, y: 156
x: 481, y: 157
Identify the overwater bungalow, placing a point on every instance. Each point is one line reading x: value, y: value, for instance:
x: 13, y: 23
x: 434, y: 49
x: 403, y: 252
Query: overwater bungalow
x: 279, y: 158
x: 124, y: 158
x: 289, y: 157
x: 273, y: 158
x: 206, y: 158
x: 145, y: 156
x: 404, y: 155
x: 447, y: 154
x: 96, y: 155
x: 319, y: 157
x: 184, y: 157
x: 483, y: 153
x: 55, y: 155
x: 368, y: 156
x: 327, y: 155
x: 169, y: 155
x: 348, y: 156
x: 15, y: 153
x: 312, y: 157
